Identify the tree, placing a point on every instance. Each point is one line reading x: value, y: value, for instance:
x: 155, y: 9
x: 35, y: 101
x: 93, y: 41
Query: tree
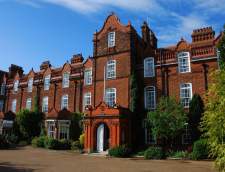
x: 76, y: 127
x: 29, y: 123
x: 196, y: 110
x: 213, y: 121
x: 168, y: 120
x: 221, y: 48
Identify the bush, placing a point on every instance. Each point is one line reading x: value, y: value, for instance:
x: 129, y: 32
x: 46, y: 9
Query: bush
x: 51, y: 143
x: 4, y: 144
x: 179, y: 154
x: 154, y: 153
x: 39, y: 142
x: 120, y: 151
x: 64, y: 144
x: 76, y: 145
x: 200, y: 150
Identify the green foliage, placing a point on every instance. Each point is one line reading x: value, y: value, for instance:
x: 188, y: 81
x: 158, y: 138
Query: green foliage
x: 221, y: 48
x: 81, y: 140
x: 29, y: 123
x: 134, y: 92
x: 179, y: 154
x: 76, y: 145
x: 120, y: 151
x: 200, y: 149
x: 39, y: 142
x: 76, y: 126
x: 168, y: 119
x: 51, y: 143
x: 213, y: 121
x: 154, y: 153
x: 196, y: 110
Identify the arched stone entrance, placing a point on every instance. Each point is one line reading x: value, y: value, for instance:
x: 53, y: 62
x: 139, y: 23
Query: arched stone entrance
x: 102, y: 140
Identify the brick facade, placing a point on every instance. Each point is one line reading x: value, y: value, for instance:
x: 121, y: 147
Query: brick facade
x: 129, y: 52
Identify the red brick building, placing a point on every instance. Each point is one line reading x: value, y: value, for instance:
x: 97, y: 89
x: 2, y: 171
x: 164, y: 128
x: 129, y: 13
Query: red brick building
x: 102, y: 85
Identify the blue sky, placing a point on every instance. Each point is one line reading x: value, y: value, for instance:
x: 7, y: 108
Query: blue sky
x: 32, y: 31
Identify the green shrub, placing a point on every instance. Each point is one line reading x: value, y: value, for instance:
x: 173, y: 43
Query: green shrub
x: 154, y: 153
x: 76, y: 145
x: 200, y: 150
x: 39, y: 142
x: 64, y: 144
x: 4, y: 144
x: 51, y: 143
x: 179, y: 154
x: 120, y: 151
x: 23, y: 143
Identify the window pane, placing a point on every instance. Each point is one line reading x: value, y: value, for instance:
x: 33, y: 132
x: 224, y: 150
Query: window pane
x: 14, y: 105
x: 64, y: 102
x: 87, y: 99
x: 66, y: 80
x: 30, y: 85
x: 150, y: 98
x: 1, y: 105
x: 45, y: 104
x: 88, y: 77
x: 110, y: 96
x: 184, y: 62
x: 47, y: 82
x: 28, y: 104
x: 149, y: 67
x: 16, y: 84
x: 185, y: 94
x: 111, y: 69
x: 111, y: 39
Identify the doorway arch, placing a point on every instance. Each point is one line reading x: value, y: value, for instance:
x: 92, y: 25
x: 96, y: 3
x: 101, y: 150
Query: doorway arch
x: 102, y: 137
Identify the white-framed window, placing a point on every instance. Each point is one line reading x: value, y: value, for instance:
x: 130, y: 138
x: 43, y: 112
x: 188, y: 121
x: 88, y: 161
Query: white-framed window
x: 186, y: 136
x: 30, y: 85
x: 88, y: 76
x: 185, y: 94
x: 149, y: 67
x: 15, y: 86
x: 87, y: 99
x: 64, y: 101
x: 47, y: 82
x: 51, y: 129
x: 150, y: 97
x: 13, y: 108
x: 64, y: 129
x: 111, y: 69
x: 1, y: 105
x: 110, y: 96
x: 45, y: 104
x: 111, y: 39
x: 66, y: 80
x: 28, y: 103
x: 3, y: 87
x: 184, y: 64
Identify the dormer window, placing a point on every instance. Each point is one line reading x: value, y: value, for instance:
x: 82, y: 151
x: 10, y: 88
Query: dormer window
x: 47, y: 82
x: 15, y: 86
x: 66, y: 80
x: 30, y: 85
x: 184, y: 62
x: 149, y: 67
x: 111, y: 39
x: 111, y: 69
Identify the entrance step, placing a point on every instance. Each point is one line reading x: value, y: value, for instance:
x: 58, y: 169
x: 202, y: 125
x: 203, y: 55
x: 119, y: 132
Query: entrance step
x: 103, y: 154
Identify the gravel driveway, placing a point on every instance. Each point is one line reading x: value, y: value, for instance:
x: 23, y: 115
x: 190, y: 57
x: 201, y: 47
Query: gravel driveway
x: 28, y: 159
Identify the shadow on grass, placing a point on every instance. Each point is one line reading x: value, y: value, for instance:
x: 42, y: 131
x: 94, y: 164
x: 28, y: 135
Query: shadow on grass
x: 8, y: 167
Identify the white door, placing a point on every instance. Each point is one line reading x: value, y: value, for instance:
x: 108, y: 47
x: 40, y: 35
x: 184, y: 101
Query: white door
x: 100, y: 138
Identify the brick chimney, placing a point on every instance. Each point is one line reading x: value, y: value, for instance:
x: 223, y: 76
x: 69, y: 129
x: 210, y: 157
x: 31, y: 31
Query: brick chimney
x: 45, y: 65
x: 77, y: 58
x: 13, y: 69
x: 148, y: 35
x: 203, y: 34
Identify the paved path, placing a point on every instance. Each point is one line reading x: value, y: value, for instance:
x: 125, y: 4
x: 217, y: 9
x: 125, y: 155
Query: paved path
x: 40, y: 160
